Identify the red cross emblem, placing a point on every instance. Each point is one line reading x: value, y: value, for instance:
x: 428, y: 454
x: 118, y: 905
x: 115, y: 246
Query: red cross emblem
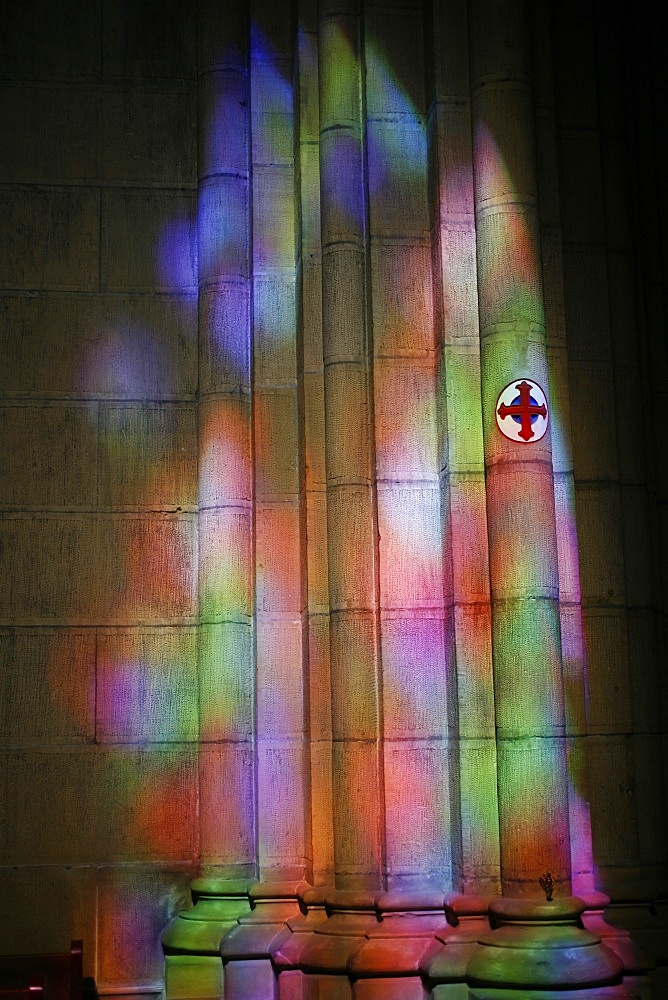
x: 521, y: 411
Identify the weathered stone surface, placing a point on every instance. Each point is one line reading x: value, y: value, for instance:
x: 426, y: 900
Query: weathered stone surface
x: 44, y: 908
x: 49, y: 456
x: 146, y: 685
x: 88, y: 569
x: 51, y: 238
x: 47, y: 679
x: 134, y: 905
x: 125, y: 805
x: 118, y: 347
x: 147, y: 456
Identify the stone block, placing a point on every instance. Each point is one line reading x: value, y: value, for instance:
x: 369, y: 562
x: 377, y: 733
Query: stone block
x: 146, y: 685
x: 227, y: 820
x: 417, y: 677
x: 38, y: 40
x: 631, y: 422
x: 394, y: 38
x: 102, y: 806
x: 343, y: 303
x: 357, y: 798
x: 283, y: 808
x: 224, y: 122
x: 342, y: 210
x: 223, y: 229
x: 316, y: 534
x: 455, y: 168
x: 397, y: 165
x: 319, y: 683
x: 322, y: 828
x: 54, y: 128
x: 224, y: 440
x: 599, y: 524
x: 314, y: 430
x: 225, y: 332
x: 410, y: 546
x: 594, y: 426
x: 624, y: 332
x: 577, y: 106
x: 148, y: 241
x: 49, y: 455
x: 47, y: 680
x: 280, y: 679
x: 100, y: 346
x: 272, y: 99
x: 567, y: 542
x: 405, y: 420
x: 522, y: 540
x: 467, y: 536
x: 274, y: 235
x: 401, y: 292
x: 451, y: 57
x: 609, y: 696
x: 504, y: 173
x: 275, y: 330
x: 147, y: 42
x: 399, y: 988
x: 459, y: 392
x: 309, y: 176
x: 479, y: 815
x: 638, y: 545
x: 94, y: 570
x: 510, y: 290
x: 475, y: 684
x: 582, y: 206
x: 613, y: 809
x: 527, y: 668
x: 643, y: 637
x: 533, y: 822
x: 280, y: 584
x: 354, y: 680
x: 348, y: 448
x: 459, y: 290
x: 417, y: 810
x: 350, y: 527
x: 147, y: 456
x: 148, y: 134
x: 226, y: 681
x: 650, y: 805
x: 586, y: 305
x: 225, y: 572
x: 573, y: 661
x: 311, y: 311
x: 51, y: 238
x: 254, y: 979
x: 45, y: 908
x: 277, y: 458
x: 309, y: 116
x: 134, y: 905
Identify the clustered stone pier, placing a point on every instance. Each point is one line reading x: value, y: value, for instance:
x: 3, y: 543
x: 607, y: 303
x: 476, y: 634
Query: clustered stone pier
x: 293, y: 941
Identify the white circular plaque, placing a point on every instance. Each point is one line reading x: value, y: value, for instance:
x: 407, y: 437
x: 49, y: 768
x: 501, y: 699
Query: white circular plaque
x: 521, y: 411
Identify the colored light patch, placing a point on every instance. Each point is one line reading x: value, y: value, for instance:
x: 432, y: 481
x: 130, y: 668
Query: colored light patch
x: 176, y: 254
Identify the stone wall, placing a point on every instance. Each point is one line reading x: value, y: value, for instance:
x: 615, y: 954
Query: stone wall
x: 278, y: 601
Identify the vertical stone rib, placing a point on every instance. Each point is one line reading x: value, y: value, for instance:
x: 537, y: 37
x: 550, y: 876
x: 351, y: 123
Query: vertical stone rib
x: 462, y: 465
x: 570, y: 609
x: 349, y: 466
x: 532, y: 780
x: 280, y: 581
x: 226, y: 657
x: 310, y: 274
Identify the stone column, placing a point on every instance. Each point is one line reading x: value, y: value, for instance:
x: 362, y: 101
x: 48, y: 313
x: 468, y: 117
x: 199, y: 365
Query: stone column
x: 226, y: 658
x: 351, y: 505
x: 280, y: 571
x: 461, y: 453
x: 532, y: 782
